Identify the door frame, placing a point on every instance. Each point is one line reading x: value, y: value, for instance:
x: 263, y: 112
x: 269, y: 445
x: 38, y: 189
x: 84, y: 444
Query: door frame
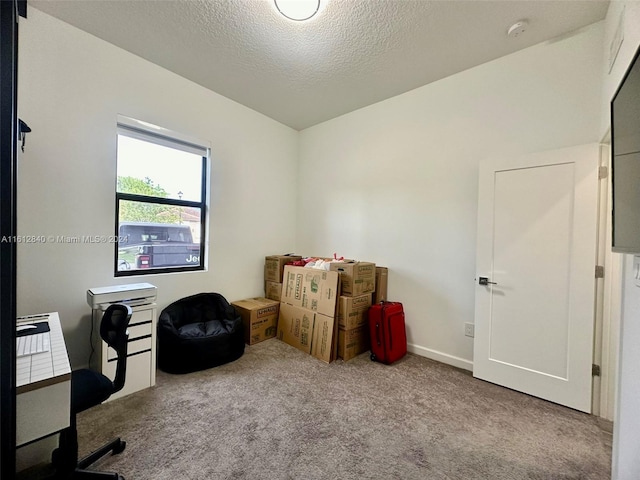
x: 9, y: 11
x: 608, y: 300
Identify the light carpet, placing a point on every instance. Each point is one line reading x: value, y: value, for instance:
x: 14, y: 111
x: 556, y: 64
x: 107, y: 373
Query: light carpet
x: 277, y: 413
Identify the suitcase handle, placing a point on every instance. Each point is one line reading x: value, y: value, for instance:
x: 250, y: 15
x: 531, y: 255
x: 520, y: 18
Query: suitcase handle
x: 383, y: 305
x: 379, y: 324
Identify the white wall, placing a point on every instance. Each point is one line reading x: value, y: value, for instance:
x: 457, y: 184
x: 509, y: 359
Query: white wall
x: 396, y: 182
x: 626, y: 437
x: 626, y: 426
x: 630, y: 11
x: 71, y: 88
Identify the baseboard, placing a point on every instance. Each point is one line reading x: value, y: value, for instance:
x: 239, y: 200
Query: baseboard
x: 605, y: 425
x: 441, y: 357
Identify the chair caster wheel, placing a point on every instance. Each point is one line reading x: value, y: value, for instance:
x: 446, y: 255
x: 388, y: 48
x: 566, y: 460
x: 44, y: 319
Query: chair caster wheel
x: 119, y: 448
x: 55, y: 458
x: 373, y: 357
x: 61, y: 462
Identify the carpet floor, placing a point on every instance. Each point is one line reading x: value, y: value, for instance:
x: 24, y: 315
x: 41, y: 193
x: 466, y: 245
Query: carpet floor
x: 277, y: 413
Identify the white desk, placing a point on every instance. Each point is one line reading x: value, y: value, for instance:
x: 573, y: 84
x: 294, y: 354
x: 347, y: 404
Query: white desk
x: 43, y: 381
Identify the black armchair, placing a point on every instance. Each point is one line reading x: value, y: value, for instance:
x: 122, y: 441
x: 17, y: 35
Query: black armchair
x: 90, y: 388
x: 199, y: 332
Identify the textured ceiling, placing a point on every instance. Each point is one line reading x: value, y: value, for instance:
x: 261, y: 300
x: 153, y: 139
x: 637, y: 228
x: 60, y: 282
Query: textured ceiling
x: 352, y: 54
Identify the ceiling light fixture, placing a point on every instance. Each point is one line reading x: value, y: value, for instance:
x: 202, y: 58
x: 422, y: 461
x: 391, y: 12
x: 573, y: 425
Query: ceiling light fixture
x: 298, y: 10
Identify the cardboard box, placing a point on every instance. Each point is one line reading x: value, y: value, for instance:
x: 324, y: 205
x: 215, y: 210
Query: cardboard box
x: 308, y: 331
x: 382, y: 276
x: 295, y: 326
x: 357, y: 278
x: 259, y: 318
x: 324, y: 344
x: 353, y: 311
x: 274, y: 266
x: 273, y: 290
x: 316, y: 290
x: 308, y: 311
x: 353, y: 342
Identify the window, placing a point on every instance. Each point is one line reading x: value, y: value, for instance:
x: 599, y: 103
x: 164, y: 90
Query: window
x: 160, y: 200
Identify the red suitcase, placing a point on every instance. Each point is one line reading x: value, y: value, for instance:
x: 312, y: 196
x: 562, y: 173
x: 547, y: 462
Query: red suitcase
x: 388, y: 334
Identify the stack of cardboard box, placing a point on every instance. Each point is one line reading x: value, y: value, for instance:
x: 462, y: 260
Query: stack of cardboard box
x: 273, y: 270
x: 307, y: 317
x: 324, y: 313
x: 358, y: 285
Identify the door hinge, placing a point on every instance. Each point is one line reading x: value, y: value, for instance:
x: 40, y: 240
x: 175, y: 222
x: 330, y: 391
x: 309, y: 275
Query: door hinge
x: 603, y: 172
x: 595, y: 370
x: 599, y: 271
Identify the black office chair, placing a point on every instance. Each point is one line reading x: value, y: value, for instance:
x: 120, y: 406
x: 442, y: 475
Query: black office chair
x: 88, y: 389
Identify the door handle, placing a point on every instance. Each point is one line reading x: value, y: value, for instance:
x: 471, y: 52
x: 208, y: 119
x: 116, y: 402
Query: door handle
x: 485, y: 281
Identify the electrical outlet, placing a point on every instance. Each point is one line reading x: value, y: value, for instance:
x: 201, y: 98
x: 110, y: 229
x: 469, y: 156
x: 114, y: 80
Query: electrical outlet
x: 469, y: 329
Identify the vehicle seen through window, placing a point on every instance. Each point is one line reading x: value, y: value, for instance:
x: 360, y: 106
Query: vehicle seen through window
x: 156, y: 245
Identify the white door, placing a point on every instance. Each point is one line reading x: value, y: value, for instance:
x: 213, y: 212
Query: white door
x: 537, y: 218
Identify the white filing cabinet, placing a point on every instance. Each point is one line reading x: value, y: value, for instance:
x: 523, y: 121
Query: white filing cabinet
x: 141, y: 348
